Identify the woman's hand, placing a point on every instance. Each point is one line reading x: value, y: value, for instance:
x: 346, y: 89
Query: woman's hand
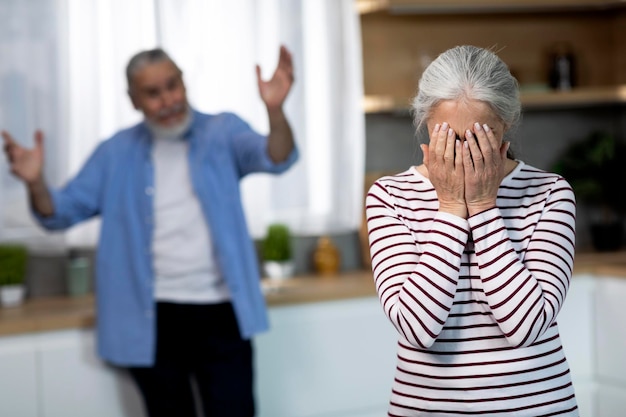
x: 484, y: 161
x: 443, y: 158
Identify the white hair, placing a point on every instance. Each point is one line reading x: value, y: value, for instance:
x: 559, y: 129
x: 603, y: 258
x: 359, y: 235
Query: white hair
x: 143, y: 58
x: 468, y: 73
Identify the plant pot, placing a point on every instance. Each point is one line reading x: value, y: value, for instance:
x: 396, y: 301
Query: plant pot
x: 279, y: 269
x: 607, y: 237
x: 12, y: 295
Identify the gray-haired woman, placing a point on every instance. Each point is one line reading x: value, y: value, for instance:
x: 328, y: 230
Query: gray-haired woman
x: 472, y: 254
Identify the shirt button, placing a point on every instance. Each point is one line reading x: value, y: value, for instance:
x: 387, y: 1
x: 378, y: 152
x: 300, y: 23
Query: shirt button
x: 149, y: 190
x: 149, y: 314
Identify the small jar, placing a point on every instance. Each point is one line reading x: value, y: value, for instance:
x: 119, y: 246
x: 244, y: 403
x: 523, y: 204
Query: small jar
x: 78, y: 276
x: 326, y: 257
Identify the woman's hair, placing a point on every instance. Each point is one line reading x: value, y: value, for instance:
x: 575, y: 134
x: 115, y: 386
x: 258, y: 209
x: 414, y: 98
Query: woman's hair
x: 143, y: 58
x: 468, y: 73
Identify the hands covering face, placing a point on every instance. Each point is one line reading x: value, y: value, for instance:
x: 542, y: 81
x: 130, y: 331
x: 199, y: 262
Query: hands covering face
x: 466, y: 172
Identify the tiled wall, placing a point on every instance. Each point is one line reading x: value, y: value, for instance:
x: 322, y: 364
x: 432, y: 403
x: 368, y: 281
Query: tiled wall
x: 47, y: 272
x: 543, y: 134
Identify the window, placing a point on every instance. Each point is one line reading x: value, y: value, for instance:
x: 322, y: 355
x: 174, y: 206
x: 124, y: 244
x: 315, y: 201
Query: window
x: 217, y: 44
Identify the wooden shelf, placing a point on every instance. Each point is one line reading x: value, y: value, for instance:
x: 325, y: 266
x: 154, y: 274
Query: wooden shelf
x: 579, y: 97
x: 398, y: 46
x: 483, y: 6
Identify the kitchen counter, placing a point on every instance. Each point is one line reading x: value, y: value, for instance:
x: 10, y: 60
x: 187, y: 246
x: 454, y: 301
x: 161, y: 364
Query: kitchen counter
x: 601, y: 263
x: 47, y: 314
x: 57, y: 313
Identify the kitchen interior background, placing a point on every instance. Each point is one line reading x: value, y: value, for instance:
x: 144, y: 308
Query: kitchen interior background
x: 396, y: 39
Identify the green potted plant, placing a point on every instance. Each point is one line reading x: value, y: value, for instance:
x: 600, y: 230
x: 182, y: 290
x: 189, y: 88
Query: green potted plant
x: 593, y: 167
x: 13, y: 260
x: 277, y: 252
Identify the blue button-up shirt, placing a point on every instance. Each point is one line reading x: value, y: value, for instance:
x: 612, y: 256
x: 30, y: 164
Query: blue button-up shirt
x: 117, y: 182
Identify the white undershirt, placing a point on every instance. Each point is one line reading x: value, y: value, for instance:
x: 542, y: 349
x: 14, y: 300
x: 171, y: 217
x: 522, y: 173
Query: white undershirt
x: 184, y: 262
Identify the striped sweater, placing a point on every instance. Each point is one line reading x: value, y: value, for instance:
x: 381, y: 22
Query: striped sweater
x: 475, y: 301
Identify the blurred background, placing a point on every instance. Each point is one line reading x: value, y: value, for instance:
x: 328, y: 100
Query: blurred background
x: 357, y: 63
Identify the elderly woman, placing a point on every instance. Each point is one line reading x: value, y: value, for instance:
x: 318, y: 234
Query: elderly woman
x: 472, y: 255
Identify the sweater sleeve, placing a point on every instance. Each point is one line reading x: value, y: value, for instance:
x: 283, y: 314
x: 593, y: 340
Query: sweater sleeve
x: 526, y: 290
x: 415, y: 281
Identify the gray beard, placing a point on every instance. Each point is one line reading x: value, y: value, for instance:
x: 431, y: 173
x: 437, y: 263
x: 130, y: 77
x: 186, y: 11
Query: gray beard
x: 171, y: 131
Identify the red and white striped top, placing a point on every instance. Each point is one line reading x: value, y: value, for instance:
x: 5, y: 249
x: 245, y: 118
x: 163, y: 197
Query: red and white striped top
x: 475, y: 301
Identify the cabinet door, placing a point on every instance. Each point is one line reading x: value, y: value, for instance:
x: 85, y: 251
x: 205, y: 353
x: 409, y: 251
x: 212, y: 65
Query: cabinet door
x: 610, y: 330
x: 18, y: 377
x: 611, y: 346
x: 576, y: 327
x: 75, y: 383
x: 326, y: 359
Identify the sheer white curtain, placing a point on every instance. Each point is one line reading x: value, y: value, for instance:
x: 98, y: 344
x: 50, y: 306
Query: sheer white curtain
x: 28, y: 100
x: 217, y: 44
x: 97, y: 39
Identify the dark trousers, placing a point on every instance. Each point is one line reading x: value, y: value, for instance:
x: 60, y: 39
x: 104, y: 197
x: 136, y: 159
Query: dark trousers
x: 199, y: 343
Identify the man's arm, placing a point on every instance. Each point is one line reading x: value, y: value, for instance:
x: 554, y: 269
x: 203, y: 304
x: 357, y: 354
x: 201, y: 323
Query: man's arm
x: 273, y: 93
x: 40, y: 199
x: 280, y: 142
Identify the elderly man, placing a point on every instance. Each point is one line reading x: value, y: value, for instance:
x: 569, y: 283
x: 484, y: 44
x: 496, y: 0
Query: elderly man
x: 177, y: 279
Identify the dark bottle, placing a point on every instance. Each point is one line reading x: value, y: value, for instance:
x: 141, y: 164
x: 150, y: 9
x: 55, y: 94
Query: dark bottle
x: 562, y: 68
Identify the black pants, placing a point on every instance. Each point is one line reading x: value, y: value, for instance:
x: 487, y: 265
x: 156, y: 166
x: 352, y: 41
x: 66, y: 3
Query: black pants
x: 201, y: 343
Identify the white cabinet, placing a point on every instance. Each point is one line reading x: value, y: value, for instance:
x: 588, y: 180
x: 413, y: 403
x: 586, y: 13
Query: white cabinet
x: 610, y: 336
x: 323, y: 359
x: 75, y: 383
x: 577, y: 329
x: 594, y: 338
x: 18, y: 377
x: 331, y: 359
x: 56, y: 374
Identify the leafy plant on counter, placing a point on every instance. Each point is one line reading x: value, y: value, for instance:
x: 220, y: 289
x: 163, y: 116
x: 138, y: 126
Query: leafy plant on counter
x: 13, y: 259
x: 277, y: 243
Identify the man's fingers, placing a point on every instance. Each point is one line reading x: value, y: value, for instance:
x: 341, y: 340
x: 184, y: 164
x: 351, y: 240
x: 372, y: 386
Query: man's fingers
x: 39, y: 139
x: 8, y: 139
x: 285, y: 59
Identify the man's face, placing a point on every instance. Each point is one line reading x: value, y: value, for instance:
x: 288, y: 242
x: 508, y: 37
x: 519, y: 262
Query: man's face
x: 158, y: 91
